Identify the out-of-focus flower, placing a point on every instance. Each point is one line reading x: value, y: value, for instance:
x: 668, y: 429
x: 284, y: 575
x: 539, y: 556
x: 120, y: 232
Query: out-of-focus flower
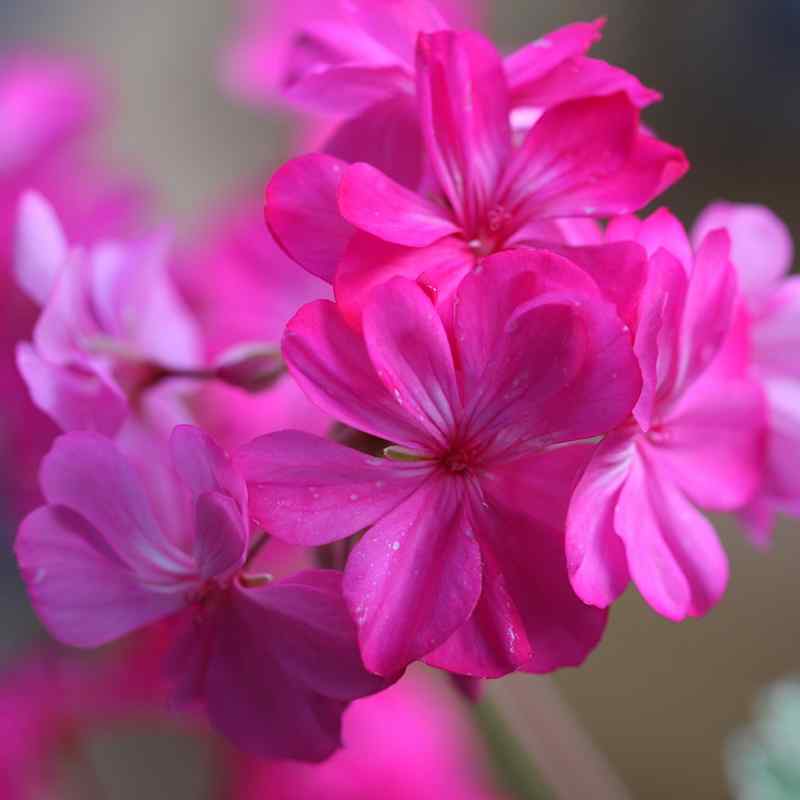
x: 274, y: 663
x: 696, y: 437
x: 471, y: 421
x: 768, y: 331
x: 763, y: 760
x: 356, y: 227
x: 411, y: 742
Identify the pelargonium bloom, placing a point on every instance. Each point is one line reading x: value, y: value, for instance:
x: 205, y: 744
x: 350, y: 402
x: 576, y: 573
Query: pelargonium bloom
x: 356, y: 227
x: 695, y: 437
x: 769, y: 330
x: 275, y: 663
x: 473, y: 415
x: 111, y: 321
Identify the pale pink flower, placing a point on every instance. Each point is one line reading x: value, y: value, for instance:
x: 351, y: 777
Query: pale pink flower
x: 536, y: 358
x: 411, y: 742
x: 695, y: 437
x: 275, y: 663
x: 356, y: 227
x: 768, y: 329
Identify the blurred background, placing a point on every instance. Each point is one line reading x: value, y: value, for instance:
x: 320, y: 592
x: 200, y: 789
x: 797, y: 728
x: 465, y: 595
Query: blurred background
x: 659, y: 699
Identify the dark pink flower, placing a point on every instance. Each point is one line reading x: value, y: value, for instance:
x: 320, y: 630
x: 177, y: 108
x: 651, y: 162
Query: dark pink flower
x: 356, y: 227
x: 275, y: 663
x: 695, y: 437
x: 473, y: 416
x: 768, y: 329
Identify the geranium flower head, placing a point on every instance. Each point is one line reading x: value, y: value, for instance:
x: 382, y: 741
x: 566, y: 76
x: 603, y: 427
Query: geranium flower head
x: 275, y: 663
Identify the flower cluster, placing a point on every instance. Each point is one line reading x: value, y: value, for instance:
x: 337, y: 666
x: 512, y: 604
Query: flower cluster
x: 444, y: 406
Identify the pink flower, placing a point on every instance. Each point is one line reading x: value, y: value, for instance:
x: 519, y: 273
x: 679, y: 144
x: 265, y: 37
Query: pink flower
x: 275, y: 663
x: 356, y: 227
x: 535, y: 358
x: 407, y: 743
x: 111, y: 321
x: 695, y: 437
x: 768, y: 329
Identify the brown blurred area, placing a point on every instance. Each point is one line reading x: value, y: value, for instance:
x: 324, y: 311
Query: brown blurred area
x: 658, y: 698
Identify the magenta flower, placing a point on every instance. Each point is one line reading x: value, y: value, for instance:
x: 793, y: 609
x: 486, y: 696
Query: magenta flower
x: 535, y: 358
x: 275, y: 663
x: 356, y: 227
x: 695, y: 438
x: 768, y: 329
x: 111, y: 322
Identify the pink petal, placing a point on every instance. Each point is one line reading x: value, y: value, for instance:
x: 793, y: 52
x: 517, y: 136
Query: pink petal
x: 348, y: 88
x: 204, y: 466
x: 414, y: 577
x: 775, y: 333
x: 530, y: 64
x: 595, y: 554
x: 302, y: 211
x: 465, y: 118
x: 257, y: 698
x: 387, y: 136
x: 411, y: 355
x: 712, y: 444
x: 329, y: 361
x: 84, y: 594
x: 310, y: 490
x: 660, y: 230
x: 74, y: 399
x: 782, y: 478
x: 761, y: 244
x: 528, y: 617
x: 658, y: 331
x: 221, y: 537
x: 370, y: 262
x: 376, y: 204
x: 40, y: 247
x: 710, y: 306
x: 674, y: 555
x: 581, y: 77
x: 86, y: 473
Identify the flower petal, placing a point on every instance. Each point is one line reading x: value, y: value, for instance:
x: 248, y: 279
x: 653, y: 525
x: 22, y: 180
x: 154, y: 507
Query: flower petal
x: 82, y: 591
x: 221, y: 538
x: 674, y: 555
x: 595, y: 554
x: 309, y: 490
x: 378, y: 205
x: 329, y: 361
x: 414, y: 578
x: 302, y: 211
x: 411, y: 355
x: 464, y: 108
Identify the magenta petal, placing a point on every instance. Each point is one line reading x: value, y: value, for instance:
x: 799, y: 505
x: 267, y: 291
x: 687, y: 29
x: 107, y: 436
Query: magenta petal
x: 302, y: 211
x: 82, y: 591
x: 761, y: 244
x: 370, y: 262
x: 74, y: 399
x: 329, y: 361
x: 713, y: 442
x: 204, y: 466
x: 464, y: 108
x: 40, y: 247
x: 414, y: 577
x: 661, y: 229
x: 595, y: 554
x: 411, y: 355
x: 387, y: 136
x: 87, y: 473
x: 254, y: 694
x: 527, y: 66
x: 376, y: 204
x: 221, y: 537
x: 674, y: 555
x: 310, y: 490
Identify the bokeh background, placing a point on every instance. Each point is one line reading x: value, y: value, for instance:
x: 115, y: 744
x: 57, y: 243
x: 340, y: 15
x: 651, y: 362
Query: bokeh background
x: 658, y: 698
